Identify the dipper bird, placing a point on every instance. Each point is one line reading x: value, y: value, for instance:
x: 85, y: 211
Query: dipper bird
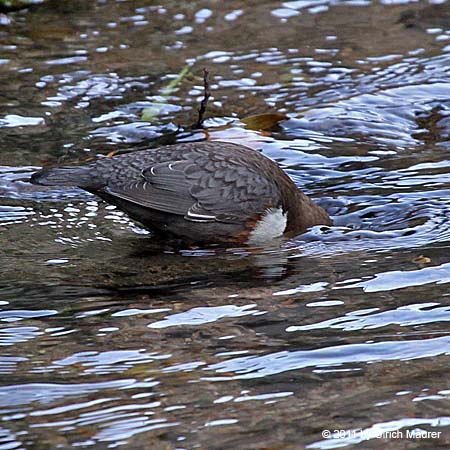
x: 199, y: 192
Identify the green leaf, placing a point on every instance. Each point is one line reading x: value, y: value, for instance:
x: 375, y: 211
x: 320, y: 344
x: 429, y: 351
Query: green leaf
x: 150, y: 114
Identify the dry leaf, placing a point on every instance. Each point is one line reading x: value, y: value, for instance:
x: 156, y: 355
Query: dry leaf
x: 263, y: 121
x: 421, y: 260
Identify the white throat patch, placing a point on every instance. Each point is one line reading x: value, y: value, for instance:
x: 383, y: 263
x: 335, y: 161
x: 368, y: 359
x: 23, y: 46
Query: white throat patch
x: 271, y: 225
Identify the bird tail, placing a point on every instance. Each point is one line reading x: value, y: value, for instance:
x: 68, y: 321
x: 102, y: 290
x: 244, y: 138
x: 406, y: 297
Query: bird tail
x: 80, y: 176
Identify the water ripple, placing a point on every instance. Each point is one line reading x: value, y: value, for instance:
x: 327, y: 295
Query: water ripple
x: 275, y: 363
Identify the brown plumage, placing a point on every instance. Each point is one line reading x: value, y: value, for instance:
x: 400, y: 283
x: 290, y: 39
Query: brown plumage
x: 205, y: 192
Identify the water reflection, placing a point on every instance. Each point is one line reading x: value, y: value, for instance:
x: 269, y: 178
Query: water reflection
x: 408, y: 315
x: 329, y: 357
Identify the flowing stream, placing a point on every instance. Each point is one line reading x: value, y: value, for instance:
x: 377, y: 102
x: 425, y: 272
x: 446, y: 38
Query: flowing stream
x: 338, y: 338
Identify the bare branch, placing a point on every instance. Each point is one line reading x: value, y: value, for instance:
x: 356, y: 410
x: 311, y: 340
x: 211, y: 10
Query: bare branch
x: 204, y: 102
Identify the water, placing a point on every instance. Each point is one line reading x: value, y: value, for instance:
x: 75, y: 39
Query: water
x: 112, y: 339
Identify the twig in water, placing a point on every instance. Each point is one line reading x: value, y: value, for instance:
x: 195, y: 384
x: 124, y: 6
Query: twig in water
x: 204, y: 102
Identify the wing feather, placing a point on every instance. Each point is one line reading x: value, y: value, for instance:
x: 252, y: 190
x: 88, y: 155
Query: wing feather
x: 201, y: 186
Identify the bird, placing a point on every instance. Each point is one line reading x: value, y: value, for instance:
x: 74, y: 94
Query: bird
x: 209, y: 192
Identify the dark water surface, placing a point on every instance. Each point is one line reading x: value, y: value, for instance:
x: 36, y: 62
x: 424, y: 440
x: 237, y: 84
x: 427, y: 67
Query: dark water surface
x: 111, y: 339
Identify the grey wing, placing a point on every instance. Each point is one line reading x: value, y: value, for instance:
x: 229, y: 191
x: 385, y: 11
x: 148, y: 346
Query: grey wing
x: 202, y: 189
x: 162, y: 186
x: 232, y: 192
